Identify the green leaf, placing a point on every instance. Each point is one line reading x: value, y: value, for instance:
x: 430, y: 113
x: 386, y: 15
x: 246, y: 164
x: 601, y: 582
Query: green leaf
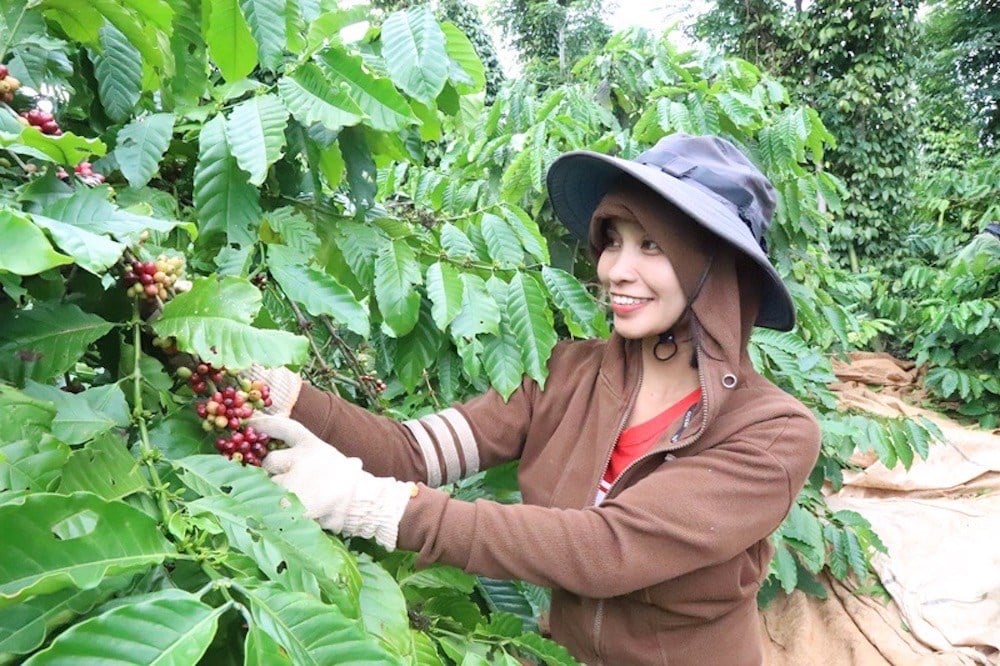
x: 103, y: 467
x: 804, y: 530
x: 317, y: 291
x: 502, y: 243
x: 397, y: 272
x: 455, y: 243
x: 583, y: 317
x: 444, y: 288
x: 31, y: 463
x: 312, y: 98
x: 73, y: 540
x: 179, y: 435
x: 440, y: 577
x: 266, y: 19
x: 463, y: 54
x: 22, y: 416
x: 226, y: 202
x: 230, y: 43
x: 23, y: 627
x: 505, y: 596
x: 383, y: 608
x: 296, y: 230
x: 47, y: 340
x: 88, y: 208
x: 531, y: 323
x: 415, y: 352
x: 256, y: 134
x: 378, y: 99
x: 313, y: 632
x: 551, y: 652
x: 260, y: 649
x: 141, y: 145
x: 259, y: 519
x: 502, y: 361
x: 173, y: 628
x: 527, y: 232
x: 67, y: 149
x: 359, y: 163
x: 784, y: 567
x: 413, y: 47
x: 92, y: 252
x: 479, y: 313
x: 83, y: 416
x: 213, y: 321
x: 26, y: 250
x: 118, y: 69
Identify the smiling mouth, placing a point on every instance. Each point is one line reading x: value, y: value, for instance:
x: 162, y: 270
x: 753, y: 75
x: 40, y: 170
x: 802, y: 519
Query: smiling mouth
x: 628, y: 300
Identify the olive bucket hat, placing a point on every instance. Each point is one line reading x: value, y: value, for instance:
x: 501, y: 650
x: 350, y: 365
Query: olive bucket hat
x: 706, y: 177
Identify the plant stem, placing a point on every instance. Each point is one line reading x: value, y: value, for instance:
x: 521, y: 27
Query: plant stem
x: 355, y: 365
x: 139, y: 416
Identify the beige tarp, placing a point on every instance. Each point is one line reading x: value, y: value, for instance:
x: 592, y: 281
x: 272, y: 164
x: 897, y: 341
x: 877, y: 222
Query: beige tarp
x: 940, y: 521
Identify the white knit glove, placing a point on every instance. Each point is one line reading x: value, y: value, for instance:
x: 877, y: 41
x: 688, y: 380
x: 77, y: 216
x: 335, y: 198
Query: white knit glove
x: 283, y: 383
x: 335, y: 491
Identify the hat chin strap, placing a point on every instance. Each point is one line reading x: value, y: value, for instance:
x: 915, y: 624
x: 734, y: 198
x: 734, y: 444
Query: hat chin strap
x: 668, y: 338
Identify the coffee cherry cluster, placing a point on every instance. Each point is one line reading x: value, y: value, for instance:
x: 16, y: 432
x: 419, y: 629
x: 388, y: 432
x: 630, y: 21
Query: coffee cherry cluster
x: 85, y: 170
x: 154, y: 279
x: 43, y: 120
x: 8, y: 85
x: 246, y: 446
x: 374, y: 382
x: 227, y: 409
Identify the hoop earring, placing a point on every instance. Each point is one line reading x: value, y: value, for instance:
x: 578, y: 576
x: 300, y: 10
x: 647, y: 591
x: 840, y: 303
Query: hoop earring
x: 666, y: 338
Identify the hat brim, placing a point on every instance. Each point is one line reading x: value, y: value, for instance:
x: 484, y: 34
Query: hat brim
x: 578, y: 180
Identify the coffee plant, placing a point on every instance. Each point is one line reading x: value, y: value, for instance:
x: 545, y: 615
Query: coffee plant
x: 278, y: 191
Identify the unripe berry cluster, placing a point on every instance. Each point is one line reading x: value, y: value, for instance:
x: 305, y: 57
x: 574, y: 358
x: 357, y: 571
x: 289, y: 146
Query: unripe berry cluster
x: 154, y: 279
x: 8, y: 85
x: 43, y: 120
x: 376, y: 384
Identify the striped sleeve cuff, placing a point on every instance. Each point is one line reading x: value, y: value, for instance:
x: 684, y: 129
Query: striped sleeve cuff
x: 448, y: 446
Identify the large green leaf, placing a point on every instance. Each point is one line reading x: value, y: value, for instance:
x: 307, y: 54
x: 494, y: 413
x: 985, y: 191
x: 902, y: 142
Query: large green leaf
x: 312, y: 98
x: 88, y: 208
x: 413, y: 46
x: 25, y: 249
x: 444, y: 288
x: 141, y: 145
x: 118, y: 69
x: 83, y: 416
x: 266, y: 19
x: 526, y: 229
x: 531, y: 322
x: 414, y: 353
x: 472, y: 74
x: 230, y: 43
x: 226, y: 202
x: 503, y: 245
x: 213, y: 320
x: 173, y: 628
x: 46, y: 340
x: 479, y: 313
x: 103, y: 467
x: 313, y: 632
x: 32, y: 463
x: 397, y: 272
x: 22, y: 416
x: 179, y: 435
x: 319, y: 292
x: 23, y: 627
x: 583, y: 317
x: 383, y: 608
x: 386, y: 109
x: 73, y: 540
x: 260, y: 649
x: 67, y: 149
x: 256, y: 133
x: 296, y: 230
x: 259, y: 518
x: 92, y: 252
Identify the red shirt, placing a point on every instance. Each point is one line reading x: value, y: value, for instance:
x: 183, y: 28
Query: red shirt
x: 637, y: 440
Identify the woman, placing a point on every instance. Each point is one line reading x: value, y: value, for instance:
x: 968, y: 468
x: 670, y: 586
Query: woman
x: 653, y: 465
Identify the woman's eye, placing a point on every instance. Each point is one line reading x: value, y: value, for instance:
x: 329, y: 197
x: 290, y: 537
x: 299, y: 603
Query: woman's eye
x: 650, y: 246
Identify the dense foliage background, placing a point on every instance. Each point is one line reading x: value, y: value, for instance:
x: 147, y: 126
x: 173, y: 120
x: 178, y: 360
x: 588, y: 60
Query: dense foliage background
x: 370, y: 209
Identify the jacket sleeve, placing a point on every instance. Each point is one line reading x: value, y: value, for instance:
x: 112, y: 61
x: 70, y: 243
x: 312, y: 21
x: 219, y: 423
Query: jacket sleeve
x: 690, y: 513
x: 435, y: 449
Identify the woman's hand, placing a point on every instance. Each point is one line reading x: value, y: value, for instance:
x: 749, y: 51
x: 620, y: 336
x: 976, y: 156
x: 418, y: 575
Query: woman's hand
x: 336, y: 492
x: 284, y: 386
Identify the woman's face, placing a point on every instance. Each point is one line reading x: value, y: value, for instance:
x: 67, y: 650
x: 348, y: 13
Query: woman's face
x: 645, y: 294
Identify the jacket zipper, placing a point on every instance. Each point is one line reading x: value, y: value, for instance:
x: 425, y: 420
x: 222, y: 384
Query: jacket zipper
x: 673, y: 446
x: 599, y: 611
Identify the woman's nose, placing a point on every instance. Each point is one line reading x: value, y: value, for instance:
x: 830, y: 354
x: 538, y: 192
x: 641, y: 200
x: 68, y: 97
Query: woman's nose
x: 622, y: 267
